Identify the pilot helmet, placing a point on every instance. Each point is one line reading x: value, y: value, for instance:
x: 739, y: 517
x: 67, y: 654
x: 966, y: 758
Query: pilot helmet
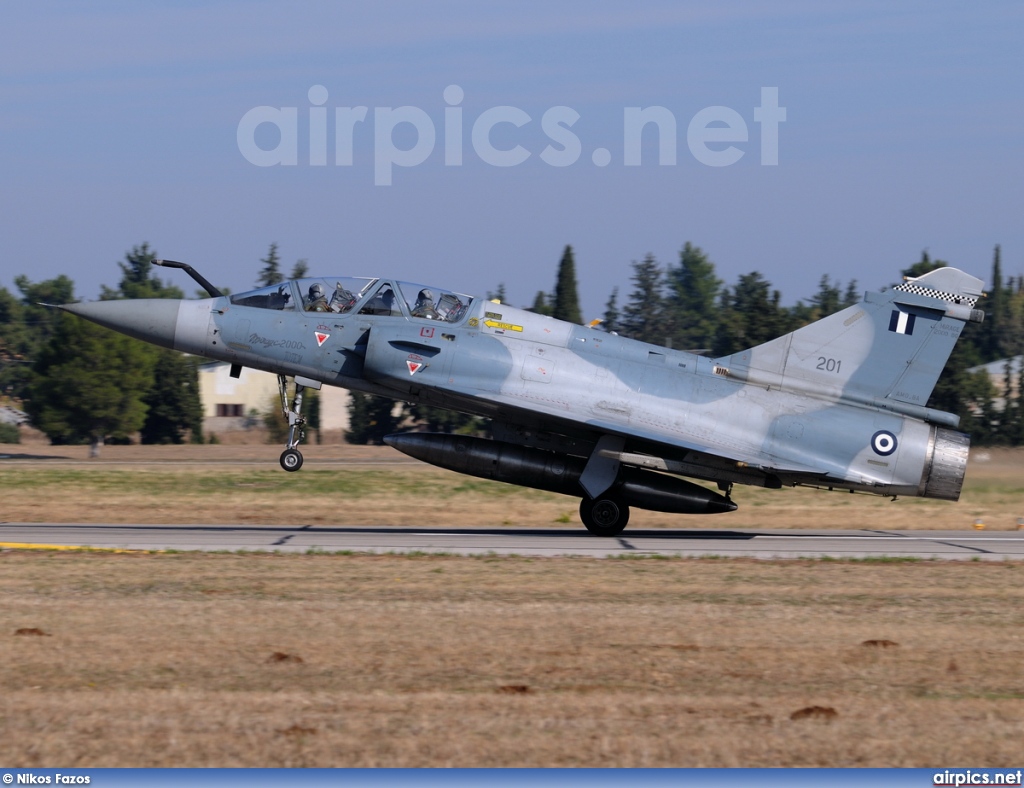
x: 426, y: 295
x: 316, y: 291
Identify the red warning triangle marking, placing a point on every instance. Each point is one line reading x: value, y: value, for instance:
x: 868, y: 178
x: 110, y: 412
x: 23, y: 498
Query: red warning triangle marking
x: 321, y: 337
x: 414, y: 366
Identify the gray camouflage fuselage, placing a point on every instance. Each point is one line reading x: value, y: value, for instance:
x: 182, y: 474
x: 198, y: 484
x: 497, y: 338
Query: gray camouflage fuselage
x: 840, y: 403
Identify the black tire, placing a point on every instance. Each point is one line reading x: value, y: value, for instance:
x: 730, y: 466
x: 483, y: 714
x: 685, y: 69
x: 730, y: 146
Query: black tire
x: 604, y: 516
x: 291, y: 459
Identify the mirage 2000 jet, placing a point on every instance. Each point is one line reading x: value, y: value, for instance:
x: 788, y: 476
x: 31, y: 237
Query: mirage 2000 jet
x: 839, y: 404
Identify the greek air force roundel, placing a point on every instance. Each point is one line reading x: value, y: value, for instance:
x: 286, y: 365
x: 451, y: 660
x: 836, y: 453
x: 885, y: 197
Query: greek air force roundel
x: 883, y: 443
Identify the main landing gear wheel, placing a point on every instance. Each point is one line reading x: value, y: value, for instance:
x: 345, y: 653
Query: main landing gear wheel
x: 291, y: 459
x: 604, y: 516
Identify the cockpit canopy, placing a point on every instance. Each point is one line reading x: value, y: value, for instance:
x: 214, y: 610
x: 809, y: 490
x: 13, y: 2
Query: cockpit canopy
x: 364, y: 296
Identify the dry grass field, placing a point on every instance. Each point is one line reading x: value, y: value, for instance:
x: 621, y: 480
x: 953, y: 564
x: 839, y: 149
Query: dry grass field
x: 357, y: 660
x: 140, y: 659
x: 359, y: 485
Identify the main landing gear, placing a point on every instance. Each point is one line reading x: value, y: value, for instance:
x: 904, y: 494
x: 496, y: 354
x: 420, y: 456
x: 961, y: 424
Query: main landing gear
x: 291, y: 457
x: 601, y: 510
x: 605, y: 515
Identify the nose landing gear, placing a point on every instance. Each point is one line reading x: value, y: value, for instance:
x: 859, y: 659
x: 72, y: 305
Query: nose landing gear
x: 291, y: 457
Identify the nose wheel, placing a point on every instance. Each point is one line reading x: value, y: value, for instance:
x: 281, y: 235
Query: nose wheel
x: 291, y: 457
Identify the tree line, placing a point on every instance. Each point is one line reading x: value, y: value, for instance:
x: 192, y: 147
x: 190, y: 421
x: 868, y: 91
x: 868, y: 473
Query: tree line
x: 80, y: 383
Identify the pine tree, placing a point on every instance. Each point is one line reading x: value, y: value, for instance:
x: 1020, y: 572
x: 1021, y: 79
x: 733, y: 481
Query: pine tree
x: 300, y: 270
x: 752, y: 315
x: 173, y: 407
x: 923, y: 266
x: 42, y: 319
x: 959, y: 391
x: 643, y: 316
x: 852, y: 295
x: 88, y: 384
x: 271, y: 272
x: 137, y: 279
x: 26, y: 326
x: 827, y: 300
x: 694, y: 290
x: 14, y: 343
x: 541, y: 305
x: 567, y: 300
x: 499, y: 294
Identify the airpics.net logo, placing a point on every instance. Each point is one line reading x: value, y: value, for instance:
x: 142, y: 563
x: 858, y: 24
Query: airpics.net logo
x: 713, y: 135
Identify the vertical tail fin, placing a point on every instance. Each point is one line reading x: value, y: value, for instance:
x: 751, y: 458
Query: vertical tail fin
x: 893, y: 345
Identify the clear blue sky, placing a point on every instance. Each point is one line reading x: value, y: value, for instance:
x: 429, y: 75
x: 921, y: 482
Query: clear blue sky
x: 904, y: 129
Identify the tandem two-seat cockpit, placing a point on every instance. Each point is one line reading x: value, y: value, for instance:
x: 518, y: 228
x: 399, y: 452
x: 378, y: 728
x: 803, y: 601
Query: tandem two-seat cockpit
x: 363, y: 296
x: 347, y: 296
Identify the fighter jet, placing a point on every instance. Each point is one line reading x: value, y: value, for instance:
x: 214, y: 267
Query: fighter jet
x: 839, y: 404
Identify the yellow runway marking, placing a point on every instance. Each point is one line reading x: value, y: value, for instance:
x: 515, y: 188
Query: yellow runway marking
x: 33, y: 546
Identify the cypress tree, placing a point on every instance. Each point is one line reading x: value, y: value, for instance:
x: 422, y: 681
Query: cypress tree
x: 567, y: 300
x: 994, y: 327
x: 610, y: 322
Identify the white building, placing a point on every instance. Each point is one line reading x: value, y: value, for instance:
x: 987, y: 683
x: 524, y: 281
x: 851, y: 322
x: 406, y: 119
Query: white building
x: 996, y: 371
x: 238, y: 404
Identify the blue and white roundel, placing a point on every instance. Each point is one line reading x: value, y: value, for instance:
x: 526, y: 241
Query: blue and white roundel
x: 883, y: 442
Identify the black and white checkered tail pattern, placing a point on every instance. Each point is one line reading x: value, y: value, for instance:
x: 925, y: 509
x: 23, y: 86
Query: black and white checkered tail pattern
x: 952, y: 298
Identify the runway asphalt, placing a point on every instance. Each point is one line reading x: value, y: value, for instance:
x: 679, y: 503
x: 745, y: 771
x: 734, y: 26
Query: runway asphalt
x: 765, y: 544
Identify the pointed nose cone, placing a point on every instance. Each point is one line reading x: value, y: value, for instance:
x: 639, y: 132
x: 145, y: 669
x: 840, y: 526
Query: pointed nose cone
x: 152, y: 320
x: 721, y: 506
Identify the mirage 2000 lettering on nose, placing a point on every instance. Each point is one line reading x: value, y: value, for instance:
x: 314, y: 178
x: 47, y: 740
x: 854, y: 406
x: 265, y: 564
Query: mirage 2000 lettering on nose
x: 838, y: 404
